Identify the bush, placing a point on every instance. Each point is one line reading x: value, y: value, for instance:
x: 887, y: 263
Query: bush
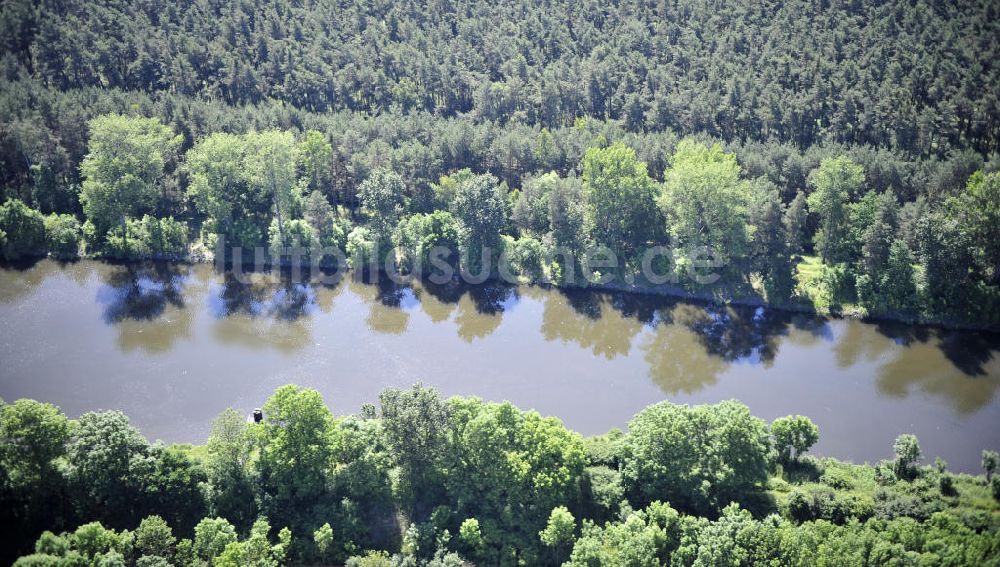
x: 908, y: 453
x: 828, y: 287
x: 604, y: 493
x: 825, y: 504
x: 24, y: 228
x: 166, y: 236
x: 50, y: 544
x: 947, y: 485
x: 419, y: 234
x: 698, y: 458
x: 524, y: 257
x: 800, y: 506
x: 126, y: 243
x: 297, y: 233
x: 793, y: 435
x: 361, y: 248
x: 371, y: 559
x: 837, y: 478
x: 40, y: 560
x: 62, y: 235
x: 867, y: 297
x: 604, y: 449
x: 91, y: 238
x: 148, y: 237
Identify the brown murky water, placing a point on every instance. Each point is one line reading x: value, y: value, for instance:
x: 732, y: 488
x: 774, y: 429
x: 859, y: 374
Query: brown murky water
x: 173, y: 346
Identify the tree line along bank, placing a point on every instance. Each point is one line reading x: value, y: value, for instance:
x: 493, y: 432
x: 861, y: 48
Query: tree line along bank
x: 836, y: 245
x: 422, y: 480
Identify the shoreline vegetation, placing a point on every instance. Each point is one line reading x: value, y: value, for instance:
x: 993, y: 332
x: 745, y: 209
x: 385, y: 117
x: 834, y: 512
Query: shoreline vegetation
x: 793, y: 305
x: 839, y: 158
x: 420, y: 480
x: 703, y: 228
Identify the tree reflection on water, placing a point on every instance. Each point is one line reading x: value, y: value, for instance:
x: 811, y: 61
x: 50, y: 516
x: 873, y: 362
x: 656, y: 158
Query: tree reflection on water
x: 147, y: 304
x: 685, y: 346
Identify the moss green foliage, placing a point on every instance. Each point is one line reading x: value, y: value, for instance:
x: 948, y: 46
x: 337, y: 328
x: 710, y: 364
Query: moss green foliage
x: 420, y: 234
x: 698, y: 457
x: 917, y: 261
x: 124, y: 168
x: 23, y: 229
x: 434, y: 482
x: 62, y: 235
x: 148, y: 237
x: 793, y: 435
x: 732, y: 230
x: 238, y: 118
x: 621, y: 196
x: 705, y: 201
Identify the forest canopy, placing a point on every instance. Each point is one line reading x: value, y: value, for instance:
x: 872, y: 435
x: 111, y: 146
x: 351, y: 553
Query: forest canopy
x: 420, y: 480
x: 846, y: 152
x: 838, y: 156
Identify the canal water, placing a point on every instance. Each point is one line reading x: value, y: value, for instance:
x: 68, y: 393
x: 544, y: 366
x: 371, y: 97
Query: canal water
x: 174, y: 345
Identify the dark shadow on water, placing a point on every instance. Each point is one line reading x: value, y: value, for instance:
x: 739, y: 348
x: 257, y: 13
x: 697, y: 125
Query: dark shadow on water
x: 237, y: 298
x: 584, y: 302
x: 292, y: 301
x: 815, y: 325
x: 393, y: 294
x: 449, y: 292
x: 968, y: 351
x: 21, y: 264
x: 741, y: 333
x: 489, y: 298
x: 141, y: 292
x: 640, y: 307
x: 902, y: 333
x: 732, y: 333
x: 261, y: 296
x: 494, y: 298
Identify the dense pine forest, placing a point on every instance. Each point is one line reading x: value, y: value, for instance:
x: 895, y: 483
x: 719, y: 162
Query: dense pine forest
x: 426, y: 481
x: 838, y: 156
x: 833, y: 156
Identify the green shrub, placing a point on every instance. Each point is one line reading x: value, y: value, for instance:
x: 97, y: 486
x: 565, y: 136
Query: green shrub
x: 823, y: 503
x: 125, y: 242
x: 867, y: 296
x: 165, y: 236
x: 62, y: 234
x: 91, y: 238
x: 604, y: 449
x: 799, y: 506
x: 837, y: 478
x: 371, y: 559
x: 419, y: 234
x: 51, y: 544
x: 297, y: 233
x: 698, y: 458
x: 604, y: 493
x: 148, y: 237
x: 24, y: 228
x: 40, y: 560
x: 946, y: 483
x: 524, y: 257
x: 361, y: 247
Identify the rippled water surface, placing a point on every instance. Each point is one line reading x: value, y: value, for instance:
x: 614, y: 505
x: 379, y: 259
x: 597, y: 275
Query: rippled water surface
x: 173, y: 345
